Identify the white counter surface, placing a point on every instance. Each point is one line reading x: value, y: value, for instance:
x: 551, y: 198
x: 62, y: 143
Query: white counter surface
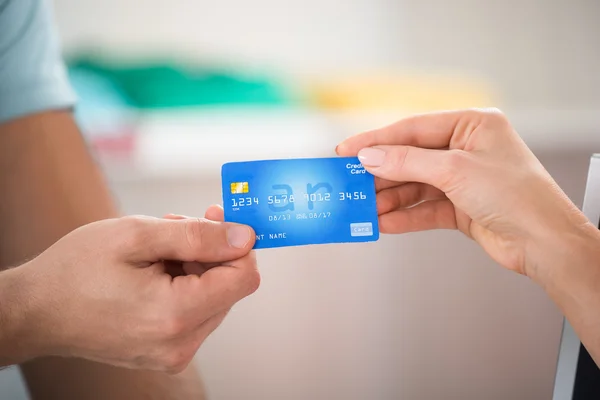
x: 184, y: 143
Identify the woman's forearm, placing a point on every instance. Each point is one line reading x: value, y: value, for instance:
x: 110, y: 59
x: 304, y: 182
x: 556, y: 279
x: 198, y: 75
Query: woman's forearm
x: 569, y: 271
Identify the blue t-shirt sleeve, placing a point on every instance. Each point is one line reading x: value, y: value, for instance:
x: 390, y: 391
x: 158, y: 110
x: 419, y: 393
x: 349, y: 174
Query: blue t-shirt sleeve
x: 33, y: 76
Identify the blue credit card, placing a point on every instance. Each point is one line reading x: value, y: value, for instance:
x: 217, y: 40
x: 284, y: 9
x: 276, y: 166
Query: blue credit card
x: 302, y: 201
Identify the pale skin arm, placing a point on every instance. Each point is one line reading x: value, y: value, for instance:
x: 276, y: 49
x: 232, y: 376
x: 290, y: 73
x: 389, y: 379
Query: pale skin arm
x: 572, y: 259
x: 50, y: 186
x: 469, y: 170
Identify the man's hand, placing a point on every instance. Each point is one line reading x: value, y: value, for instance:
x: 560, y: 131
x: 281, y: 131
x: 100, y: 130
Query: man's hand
x: 50, y: 185
x: 112, y: 291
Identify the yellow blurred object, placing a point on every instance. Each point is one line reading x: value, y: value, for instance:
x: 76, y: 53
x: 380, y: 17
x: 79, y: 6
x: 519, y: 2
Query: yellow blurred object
x: 419, y: 93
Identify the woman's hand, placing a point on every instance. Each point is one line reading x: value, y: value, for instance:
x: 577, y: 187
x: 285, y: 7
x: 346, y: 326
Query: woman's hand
x: 466, y: 170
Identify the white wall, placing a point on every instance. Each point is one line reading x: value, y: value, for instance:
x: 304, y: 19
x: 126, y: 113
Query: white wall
x: 539, y: 53
x: 300, y: 36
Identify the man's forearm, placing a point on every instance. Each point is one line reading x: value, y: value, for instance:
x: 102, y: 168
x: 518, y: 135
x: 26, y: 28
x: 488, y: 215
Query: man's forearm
x: 50, y: 186
x: 13, y: 349
x: 22, y: 312
x: 49, y: 183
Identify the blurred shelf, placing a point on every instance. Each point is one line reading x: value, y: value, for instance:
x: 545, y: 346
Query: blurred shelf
x: 180, y: 144
x: 542, y: 130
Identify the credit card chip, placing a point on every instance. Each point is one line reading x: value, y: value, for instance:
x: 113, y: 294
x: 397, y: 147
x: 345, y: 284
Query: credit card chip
x: 239, y: 187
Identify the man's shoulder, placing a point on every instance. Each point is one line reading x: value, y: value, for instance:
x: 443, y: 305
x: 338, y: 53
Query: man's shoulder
x: 19, y: 20
x: 33, y: 77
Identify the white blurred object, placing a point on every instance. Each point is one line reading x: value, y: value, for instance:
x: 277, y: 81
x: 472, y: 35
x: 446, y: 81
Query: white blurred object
x: 177, y: 143
x: 188, y: 143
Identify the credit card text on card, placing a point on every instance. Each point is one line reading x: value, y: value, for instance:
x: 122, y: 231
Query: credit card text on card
x: 302, y: 201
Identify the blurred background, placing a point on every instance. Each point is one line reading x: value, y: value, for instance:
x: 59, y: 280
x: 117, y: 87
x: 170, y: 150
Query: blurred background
x: 170, y: 90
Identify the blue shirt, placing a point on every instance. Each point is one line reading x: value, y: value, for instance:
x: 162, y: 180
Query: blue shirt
x: 33, y: 76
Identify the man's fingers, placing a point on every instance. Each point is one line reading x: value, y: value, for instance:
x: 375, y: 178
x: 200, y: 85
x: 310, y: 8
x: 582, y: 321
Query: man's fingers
x: 172, y: 268
x: 215, y: 213
x: 175, y: 216
x: 219, y: 288
x: 434, y: 214
x: 406, y: 195
x: 197, y: 268
x: 209, y: 326
x: 154, y: 239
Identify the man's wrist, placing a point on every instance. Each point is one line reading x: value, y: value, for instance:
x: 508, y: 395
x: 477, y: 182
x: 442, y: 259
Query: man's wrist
x: 18, y: 310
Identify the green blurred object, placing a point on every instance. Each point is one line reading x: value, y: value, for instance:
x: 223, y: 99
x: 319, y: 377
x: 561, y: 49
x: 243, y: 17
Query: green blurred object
x: 167, y: 85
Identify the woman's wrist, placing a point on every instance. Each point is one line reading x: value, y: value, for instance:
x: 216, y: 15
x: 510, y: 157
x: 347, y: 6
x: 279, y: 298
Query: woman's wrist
x: 564, y: 259
x: 568, y: 268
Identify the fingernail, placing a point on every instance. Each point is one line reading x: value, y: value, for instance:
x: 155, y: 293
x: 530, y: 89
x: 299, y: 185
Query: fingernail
x: 238, y: 236
x: 371, y: 157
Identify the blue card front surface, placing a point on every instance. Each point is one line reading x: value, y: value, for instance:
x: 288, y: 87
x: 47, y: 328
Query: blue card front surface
x: 304, y: 201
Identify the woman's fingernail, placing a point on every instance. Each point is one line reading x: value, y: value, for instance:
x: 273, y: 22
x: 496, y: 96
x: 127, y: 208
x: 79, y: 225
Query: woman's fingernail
x: 371, y: 157
x: 238, y: 236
